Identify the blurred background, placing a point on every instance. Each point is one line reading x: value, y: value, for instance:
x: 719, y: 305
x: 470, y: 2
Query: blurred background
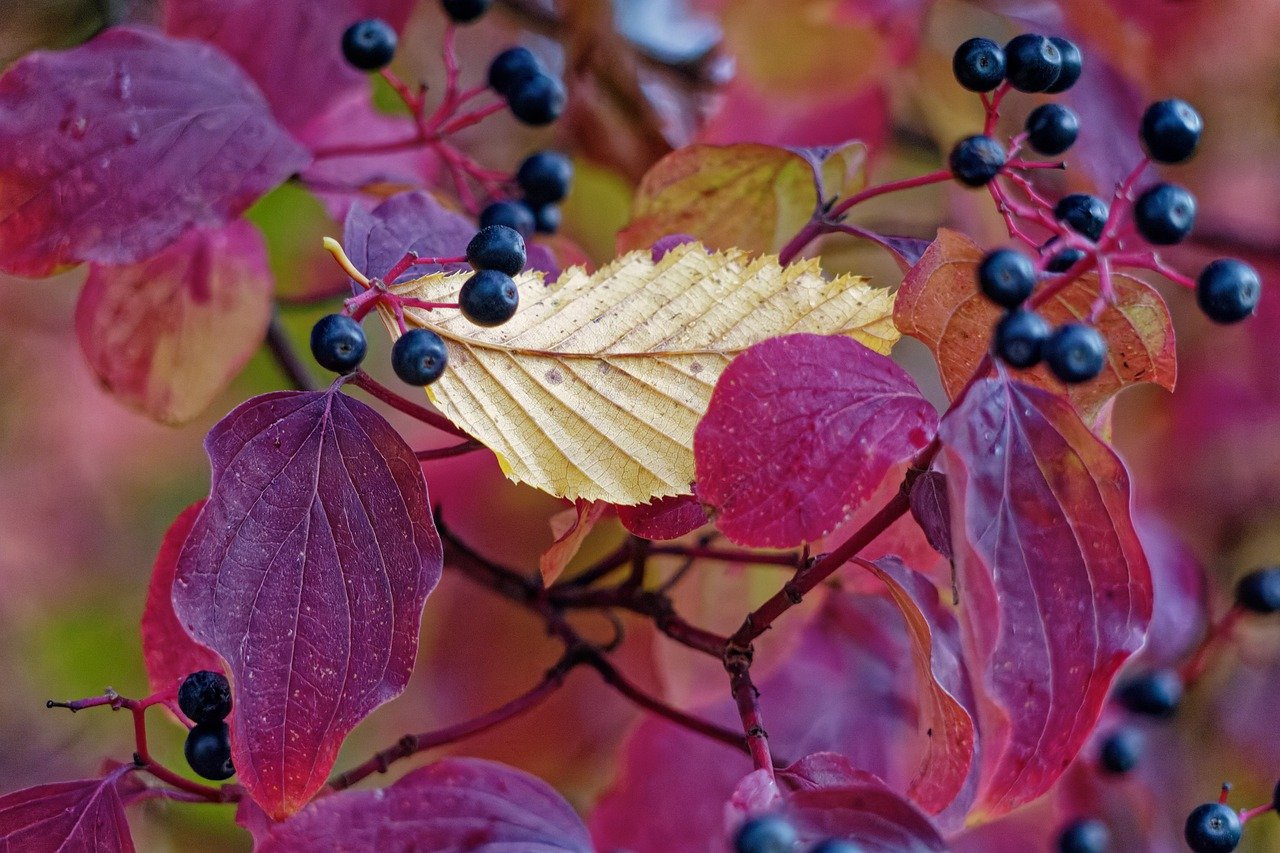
x: 89, y: 487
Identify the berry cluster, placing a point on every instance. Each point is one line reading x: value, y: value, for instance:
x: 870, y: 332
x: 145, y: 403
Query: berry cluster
x: 205, y: 698
x: 775, y: 834
x: 1087, y: 232
x: 543, y: 179
x: 534, y: 96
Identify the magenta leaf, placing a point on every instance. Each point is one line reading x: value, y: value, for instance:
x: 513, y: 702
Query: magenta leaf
x: 1055, y: 589
x: 932, y: 510
x: 799, y: 431
x: 168, y: 334
x: 454, y: 804
x: 664, y: 518
x: 169, y: 652
x: 302, y: 81
x: 85, y: 816
x: 111, y: 150
x: 307, y: 571
x: 408, y: 221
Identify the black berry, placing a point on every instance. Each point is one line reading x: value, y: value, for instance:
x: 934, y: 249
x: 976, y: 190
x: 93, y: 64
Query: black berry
x: 1086, y: 214
x: 1052, y: 129
x: 547, y: 218
x: 1153, y: 694
x: 1020, y: 338
x: 497, y: 247
x: 208, y: 751
x: 489, y: 298
x: 1006, y: 277
x: 1064, y: 260
x: 976, y: 160
x: 765, y: 834
x: 1032, y: 63
x: 369, y: 44
x: 1212, y: 828
x: 1171, y: 131
x: 511, y: 68
x: 1121, y: 750
x: 1075, y: 353
x: 544, y: 177
x: 419, y: 357
x: 835, y: 845
x: 1165, y: 214
x: 979, y: 65
x: 1086, y: 835
x: 205, y: 697
x: 510, y: 213
x: 1228, y: 290
x: 337, y: 343
x: 1072, y: 65
x: 537, y: 100
x: 1259, y: 591
x: 465, y: 11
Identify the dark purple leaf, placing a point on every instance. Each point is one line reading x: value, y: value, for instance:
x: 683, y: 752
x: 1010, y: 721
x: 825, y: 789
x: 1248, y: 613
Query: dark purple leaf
x: 453, y: 805
x: 111, y: 150
x: 932, y: 510
x: 799, y: 431
x: 409, y: 221
x: 307, y: 571
x: 664, y: 518
x: 70, y: 817
x: 1055, y: 589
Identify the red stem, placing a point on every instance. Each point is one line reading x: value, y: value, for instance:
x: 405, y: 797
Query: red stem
x: 746, y: 697
x: 472, y: 118
x: 458, y: 449
x: 372, y: 387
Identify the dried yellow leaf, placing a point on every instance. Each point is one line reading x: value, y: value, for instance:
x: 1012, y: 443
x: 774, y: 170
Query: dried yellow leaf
x: 593, y: 390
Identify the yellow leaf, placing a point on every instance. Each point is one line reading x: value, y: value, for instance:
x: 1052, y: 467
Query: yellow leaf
x: 593, y: 390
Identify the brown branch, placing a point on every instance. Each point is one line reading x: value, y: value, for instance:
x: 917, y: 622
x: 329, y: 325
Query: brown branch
x: 281, y: 349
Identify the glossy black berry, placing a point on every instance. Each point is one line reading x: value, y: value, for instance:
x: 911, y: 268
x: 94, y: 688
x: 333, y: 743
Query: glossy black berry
x: 1006, y: 277
x: 765, y: 834
x: 1020, y: 337
x: 337, y: 343
x: 835, y: 845
x: 979, y: 65
x: 497, y: 247
x: 369, y: 44
x: 1212, y: 828
x: 511, y: 68
x: 1072, y: 65
x: 208, y: 751
x: 1085, y: 214
x: 544, y: 177
x: 1228, y: 290
x: 1165, y: 214
x: 537, y: 100
x: 1171, y: 131
x: 1064, y: 260
x: 419, y: 357
x: 1052, y: 129
x: 1259, y: 591
x: 975, y: 160
x: 1086, y: 835
x: 1032, y: 63
x: 205, y: 697
x: 1075, y: 353
x: 547, y: 218
x: 465, y: 11
x: 489, y: 298
x: 1152, y: 694
x: 1121, y: 750
x: 510, y: 213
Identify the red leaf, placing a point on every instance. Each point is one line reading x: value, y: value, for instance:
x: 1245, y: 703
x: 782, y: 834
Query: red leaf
x: 1056, y: 592
x: 255, y: 33
x: 664, y: 518
x: 168, y: 650
x: 799, y: 431
x: 85, y: 816
x: 307, y: 571
x: 407, y: 221
x: 569, y: 527
x: 168, y: 334
x: 454, y: 804
x: 111, y: 150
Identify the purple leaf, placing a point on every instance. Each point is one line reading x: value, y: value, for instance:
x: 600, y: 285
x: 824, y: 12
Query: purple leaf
x: 799, y: 431
x: 1055, y: 589
x: 932, y: 510
x: 1180, y: 613
x: 454, y: 804
x: 408, y: 221
x: 291, y: 48
x: 664, y: 518
x: 77, y: 817
x: 111, y: 150
x: 307, y: 571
